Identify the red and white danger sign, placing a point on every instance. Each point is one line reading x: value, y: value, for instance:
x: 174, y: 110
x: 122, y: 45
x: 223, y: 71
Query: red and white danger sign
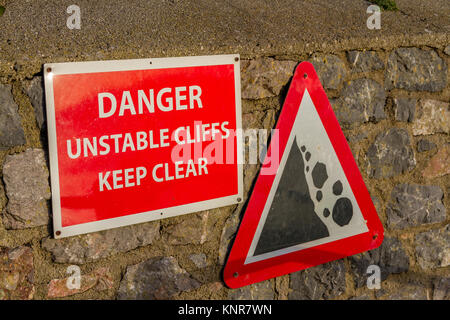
x: 137, y: 140
x: 314, y: 207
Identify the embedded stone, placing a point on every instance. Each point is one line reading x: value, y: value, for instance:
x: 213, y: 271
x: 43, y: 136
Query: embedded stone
x: 389, y: 256
x: 362, y: 100
x: 447, y: 50
x: 27, y: 187
x: 325, y: 281
x: 231, y: 224
x: 199, y: 259
x: 432, y: 116
x: 155, y: 279
x: 391, y: 154
x: 415, y: 69
x: 330, y: 69
x: 364, y: 61
x: 257, y: 291
x: 439, y: 164
x: 100, y: 279
x: 413, y: 205
x: 16, y: 273
x: 433, y: 248
x: 408, y: 291
x: 264, y: 77
x: 99, y: 245
x: 404, y: 109
x: 191, y: 230
x: 425, y: 145
x: 441, y: 288
x: 11, y: 131
x: 228, y: 233
x: 35, y: 91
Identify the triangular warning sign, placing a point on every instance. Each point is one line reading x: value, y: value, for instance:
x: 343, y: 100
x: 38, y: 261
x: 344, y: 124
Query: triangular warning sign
x: 314, y: 206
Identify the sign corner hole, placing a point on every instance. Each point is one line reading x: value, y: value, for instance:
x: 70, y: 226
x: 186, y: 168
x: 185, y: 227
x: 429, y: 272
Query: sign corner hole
x: 305, y: 75
x: 235, y: 275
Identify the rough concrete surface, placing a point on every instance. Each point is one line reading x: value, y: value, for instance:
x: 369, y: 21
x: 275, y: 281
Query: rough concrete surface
x: 36, y: 30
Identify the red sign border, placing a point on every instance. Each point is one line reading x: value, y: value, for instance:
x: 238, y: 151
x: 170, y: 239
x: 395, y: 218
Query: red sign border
x: 52, y: 69
x: 238, y: 274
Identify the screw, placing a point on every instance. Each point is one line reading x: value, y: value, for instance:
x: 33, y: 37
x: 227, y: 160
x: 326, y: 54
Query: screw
x: 236, y: 59
x: 150, y: 62
x: 235, y: 274
x: 305, y: 76
x: 375, y: 236
x: 58, y: 233
x: 49, y: 69
x: 239, y: 199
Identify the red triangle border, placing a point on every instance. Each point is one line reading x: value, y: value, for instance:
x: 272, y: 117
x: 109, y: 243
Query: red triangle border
x: 238, y: 274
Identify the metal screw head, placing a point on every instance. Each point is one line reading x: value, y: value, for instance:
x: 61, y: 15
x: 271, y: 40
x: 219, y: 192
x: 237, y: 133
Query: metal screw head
x: 305, y: 75
x: 58, y: 233
x: 49, y: 69
x: 235, y: 274
x: 236, y: 59
x: 239, y: 199
x: 375, y: 236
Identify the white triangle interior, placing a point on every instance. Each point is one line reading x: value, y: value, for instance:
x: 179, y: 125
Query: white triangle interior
x: 309, y: 131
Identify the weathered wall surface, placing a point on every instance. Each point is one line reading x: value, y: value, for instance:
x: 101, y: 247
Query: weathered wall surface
x: 390, y: 93
x: 394, y: 109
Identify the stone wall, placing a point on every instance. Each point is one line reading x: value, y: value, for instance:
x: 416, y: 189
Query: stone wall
x: 393, y: 106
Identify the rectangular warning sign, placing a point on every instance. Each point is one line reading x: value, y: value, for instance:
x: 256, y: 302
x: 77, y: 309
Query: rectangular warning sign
x: 138, y: 140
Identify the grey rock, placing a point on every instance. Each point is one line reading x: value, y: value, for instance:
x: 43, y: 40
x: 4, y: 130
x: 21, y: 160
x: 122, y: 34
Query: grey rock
x: 404, y: 109
x: 389, y: 256
x: 362, y: 100
x: 16, y: 273
x: 432, y: 116
x: 364, y: 61
x: 27, y: 188
x: 391, y: 154
x: 11, y: 131
x: 35, y: 91
x: 325, y: 281
x: 264, y: 77
x: 191, y: 230
x: 199, y: 259
x: 231, y: 224
x: 441, y: 289
x: 330, y: 69
x: 228, y: 233
x: 257, y: 291
x: 415, y: 70
x: 425, y: 145
x: 98, y: 245
x: 433, y: 248
x: 155, y: 279
x: 408, y: 291
x: 413, y: 205
x: 447, y: 50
